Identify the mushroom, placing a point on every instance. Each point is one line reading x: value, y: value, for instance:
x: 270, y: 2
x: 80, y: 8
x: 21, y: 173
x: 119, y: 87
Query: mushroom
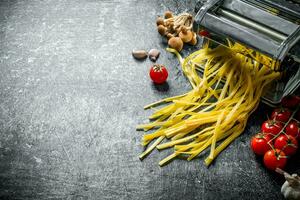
x: 171, y: 26
x: 160, y: 21
x: 162, y: 30
x: 175, y: 43
x: 185, y: 35
x: 194, y: 39
x: 177, y: 30
x: 168, y: 14
x: 169, y: 36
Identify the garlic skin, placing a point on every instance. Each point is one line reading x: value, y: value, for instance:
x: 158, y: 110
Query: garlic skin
x: 291, y: 187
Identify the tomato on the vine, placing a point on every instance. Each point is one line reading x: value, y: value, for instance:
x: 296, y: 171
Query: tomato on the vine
x: 259, y: 143
x: 204, y: 33
x: 298, y: 115
x: 275, y: 158
x: 288, y: 144
x: 293, y: 129
x: 281, y: 114
x: 158, y: 73
x: 271, y: 127
x: 290, y: 101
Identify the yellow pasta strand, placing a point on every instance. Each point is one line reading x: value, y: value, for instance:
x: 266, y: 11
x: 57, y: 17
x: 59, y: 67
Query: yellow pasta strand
x: 216, y: 110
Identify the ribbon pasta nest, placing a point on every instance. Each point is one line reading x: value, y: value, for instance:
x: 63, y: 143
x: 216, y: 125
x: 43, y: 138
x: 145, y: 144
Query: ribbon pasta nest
x: 215, y: 111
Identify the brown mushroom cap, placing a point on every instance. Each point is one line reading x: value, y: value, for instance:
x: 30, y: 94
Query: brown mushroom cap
x: 184, y: 29
x: 171, y: 25
x: 169, y: 35
x: 194, y: 39
x: 175, y: 43
x: 168, y: 14
x: 186, y: 37
x: 160, y: 21
x: 162, y: 30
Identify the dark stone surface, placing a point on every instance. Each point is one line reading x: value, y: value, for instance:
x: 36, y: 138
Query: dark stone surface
x: 71, y: 96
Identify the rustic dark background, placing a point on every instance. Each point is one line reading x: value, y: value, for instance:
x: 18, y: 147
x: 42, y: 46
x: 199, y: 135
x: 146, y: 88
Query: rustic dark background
x: 71, y: 95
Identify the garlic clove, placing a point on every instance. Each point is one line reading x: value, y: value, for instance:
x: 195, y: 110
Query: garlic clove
x: 154, y: 54
x: 291, y: 187
x: 139, y: 54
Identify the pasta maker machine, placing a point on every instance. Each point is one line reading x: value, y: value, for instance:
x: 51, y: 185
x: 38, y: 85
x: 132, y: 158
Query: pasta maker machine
x: 268, y: 27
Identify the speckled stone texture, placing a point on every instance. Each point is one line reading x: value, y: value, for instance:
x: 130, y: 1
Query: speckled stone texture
x: 71, y: 95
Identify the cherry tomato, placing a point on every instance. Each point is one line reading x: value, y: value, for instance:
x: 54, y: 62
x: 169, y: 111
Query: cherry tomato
x: 291, y: 101
x: 298, y: 116
x: 204, y: 33
x: 271, y: 127
x: 259, y: 143
x: 275, y: 158
x: 158, y: 74
x: 288, y: 144
x: 281, y: 114
x: 293, y: 129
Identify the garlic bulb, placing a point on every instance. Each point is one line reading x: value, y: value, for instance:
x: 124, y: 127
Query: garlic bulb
x: 291, y: 187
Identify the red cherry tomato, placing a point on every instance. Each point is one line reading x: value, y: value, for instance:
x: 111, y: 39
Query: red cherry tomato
x: 275, y: 158
x: 291, y: 101
x: 281, y: 114
x: 158, y: 74
x: 297, y: 116
x: 271, y: 127
x: 204, y: 33
x: 259, y: 143
x: 288, y: 144
x: 293, y: 129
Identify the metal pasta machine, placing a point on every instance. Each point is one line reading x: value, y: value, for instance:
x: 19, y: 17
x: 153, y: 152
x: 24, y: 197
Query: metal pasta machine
x: 268, y: 27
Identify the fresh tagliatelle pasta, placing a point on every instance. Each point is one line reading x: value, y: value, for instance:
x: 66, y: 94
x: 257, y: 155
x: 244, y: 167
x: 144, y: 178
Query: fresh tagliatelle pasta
x: 215, y: 111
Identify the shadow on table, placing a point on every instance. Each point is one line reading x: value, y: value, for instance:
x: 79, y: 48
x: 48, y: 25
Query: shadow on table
x: 164, y: 87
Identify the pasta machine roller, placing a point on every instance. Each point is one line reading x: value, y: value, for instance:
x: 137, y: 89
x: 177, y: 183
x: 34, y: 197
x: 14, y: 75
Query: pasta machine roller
x: 268, y: 27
